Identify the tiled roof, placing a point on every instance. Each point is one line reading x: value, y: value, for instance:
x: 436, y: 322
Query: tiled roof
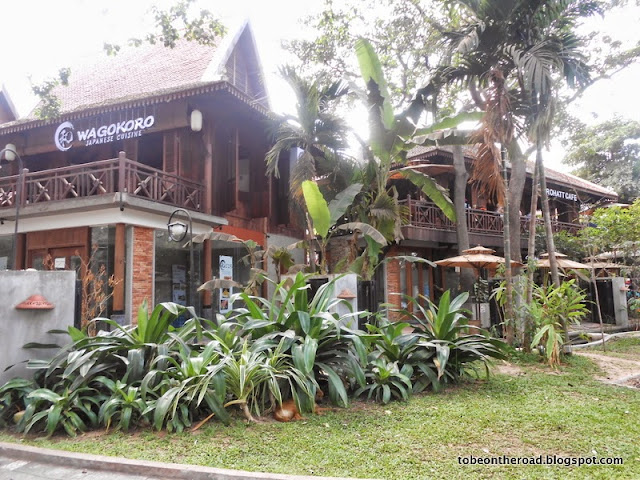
x: 552, y: 175
x: 424, y: 152
x: 136, y: 72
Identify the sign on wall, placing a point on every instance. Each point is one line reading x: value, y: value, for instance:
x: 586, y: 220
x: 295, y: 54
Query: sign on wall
x: 560, y: 194
x: 226, y: 273
x: 67, y: 133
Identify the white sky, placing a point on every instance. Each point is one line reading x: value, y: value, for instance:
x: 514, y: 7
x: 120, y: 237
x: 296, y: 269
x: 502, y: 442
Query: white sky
x: 41, y: 36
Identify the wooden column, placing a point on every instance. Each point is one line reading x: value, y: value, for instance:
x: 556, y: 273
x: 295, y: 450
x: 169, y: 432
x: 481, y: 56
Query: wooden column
x: 420, y: 268
x: 208, y: 138
x: 207, y: 272
x: 408, y: 270
x: 236, y: 165
x: 130, y: 147
x: 118, y: 268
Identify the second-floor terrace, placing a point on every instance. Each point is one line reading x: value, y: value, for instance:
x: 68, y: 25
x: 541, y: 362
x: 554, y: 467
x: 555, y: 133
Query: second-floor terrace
x: 427, y: 223
x: 105, y: 177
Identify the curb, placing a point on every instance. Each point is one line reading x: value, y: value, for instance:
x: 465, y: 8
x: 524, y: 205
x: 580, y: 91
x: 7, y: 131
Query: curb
x: 141, y: 467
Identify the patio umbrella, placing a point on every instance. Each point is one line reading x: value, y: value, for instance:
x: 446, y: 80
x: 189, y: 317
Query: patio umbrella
x: 563, y: 262
x: 478, y: 257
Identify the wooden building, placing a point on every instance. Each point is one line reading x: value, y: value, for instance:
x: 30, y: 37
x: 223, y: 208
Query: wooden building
x: 429, y: 234
x: 141, y: 134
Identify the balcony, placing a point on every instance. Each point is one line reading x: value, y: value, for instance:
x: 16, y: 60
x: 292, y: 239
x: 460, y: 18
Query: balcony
x: 103, y: 178
x: 428, y: 223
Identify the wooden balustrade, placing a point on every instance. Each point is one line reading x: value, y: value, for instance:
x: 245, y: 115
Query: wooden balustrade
x: 101, y: 178
x: 428, y: 215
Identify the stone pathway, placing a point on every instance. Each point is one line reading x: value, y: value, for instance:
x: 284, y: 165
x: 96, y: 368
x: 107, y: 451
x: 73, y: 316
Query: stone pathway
x: 12, y: 469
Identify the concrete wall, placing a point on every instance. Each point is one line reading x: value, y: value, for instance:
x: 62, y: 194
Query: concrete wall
x: 620, y: 301
x: 19, y: 327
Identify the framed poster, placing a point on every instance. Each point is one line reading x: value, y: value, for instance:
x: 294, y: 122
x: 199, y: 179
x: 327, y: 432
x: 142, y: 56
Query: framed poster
x: 179, y: 284
x: 226, y: 273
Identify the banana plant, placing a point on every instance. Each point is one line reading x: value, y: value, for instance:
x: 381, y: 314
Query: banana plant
x: 325, y: 216
x: 391, y: 137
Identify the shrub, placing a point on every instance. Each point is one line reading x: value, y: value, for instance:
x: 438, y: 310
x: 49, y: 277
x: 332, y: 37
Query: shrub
x: 550, y: 305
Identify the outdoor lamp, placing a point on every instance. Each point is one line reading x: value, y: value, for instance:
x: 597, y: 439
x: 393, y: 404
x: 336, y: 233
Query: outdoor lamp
x: 10, y: 154
x: 177, y: 233
x: 196, y: 120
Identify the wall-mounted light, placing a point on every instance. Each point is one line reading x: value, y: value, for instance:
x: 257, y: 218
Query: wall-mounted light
x: 196, y: 120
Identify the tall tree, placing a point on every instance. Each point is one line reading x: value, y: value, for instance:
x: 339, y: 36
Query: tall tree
x: 320, y: 135
x: 405, y: 33
x: 508, y: 53
x: 608, y: 154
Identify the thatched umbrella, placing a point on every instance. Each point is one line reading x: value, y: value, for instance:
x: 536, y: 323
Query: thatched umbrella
x: 563, y: 262
x: 478, y: 257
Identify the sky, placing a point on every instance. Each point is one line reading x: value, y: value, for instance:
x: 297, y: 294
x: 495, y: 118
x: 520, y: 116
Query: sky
x: 41, y: 36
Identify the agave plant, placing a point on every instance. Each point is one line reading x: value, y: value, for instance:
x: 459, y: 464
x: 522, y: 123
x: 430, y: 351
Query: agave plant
x: 190, y: 381
x: 124, y: 408
x: 13, y: 396
x: 72, y: 410
x: 457, y: 344
x: 254, y: 377
x: 291, y: 317
x: 385, y: 381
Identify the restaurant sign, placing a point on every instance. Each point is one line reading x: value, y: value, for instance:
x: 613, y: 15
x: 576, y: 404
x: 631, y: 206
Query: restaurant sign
x: 66, y: 133
x: 560, y: 194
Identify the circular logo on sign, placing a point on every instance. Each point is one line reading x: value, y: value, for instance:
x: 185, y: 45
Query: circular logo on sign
x: 64, y: 136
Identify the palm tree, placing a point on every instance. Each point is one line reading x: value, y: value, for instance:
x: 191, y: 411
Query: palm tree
x: 528, y: 44
x: 319, y: 134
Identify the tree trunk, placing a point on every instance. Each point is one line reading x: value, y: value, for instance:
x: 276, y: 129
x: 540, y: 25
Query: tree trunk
x: 509, y: 317
x: 515, y: 190
x: 548, y: 229
x: 517, y: 182
x: 462, y: 233
x: 592, y: 254
x: 551, y: 248
x: 531, y: 252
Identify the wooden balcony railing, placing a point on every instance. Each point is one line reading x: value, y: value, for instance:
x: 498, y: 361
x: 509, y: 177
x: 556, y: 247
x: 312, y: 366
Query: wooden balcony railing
x: 102, y: 178
x: 429, y: 216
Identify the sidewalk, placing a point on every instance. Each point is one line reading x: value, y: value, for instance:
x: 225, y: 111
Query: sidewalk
x: 21, y: 462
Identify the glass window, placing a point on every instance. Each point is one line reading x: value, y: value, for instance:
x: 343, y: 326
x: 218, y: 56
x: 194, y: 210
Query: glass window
x: 101, y: 261
x: 172, y: 269
x: 6, y: 242
x: 229, y: 261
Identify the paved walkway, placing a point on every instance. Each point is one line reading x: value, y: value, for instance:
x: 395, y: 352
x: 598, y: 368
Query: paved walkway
x: 21, y: 462
x: 12, y: 469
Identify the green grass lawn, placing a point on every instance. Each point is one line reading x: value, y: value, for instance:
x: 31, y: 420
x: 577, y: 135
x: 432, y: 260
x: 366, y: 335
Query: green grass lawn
x: 536, y: 412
